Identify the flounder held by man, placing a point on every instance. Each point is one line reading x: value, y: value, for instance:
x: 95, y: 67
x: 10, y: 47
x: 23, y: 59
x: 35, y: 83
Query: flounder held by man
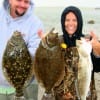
x: 49, y: 63
x: 17, y: 63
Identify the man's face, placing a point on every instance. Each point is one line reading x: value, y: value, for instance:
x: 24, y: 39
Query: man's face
x: 18, y: 7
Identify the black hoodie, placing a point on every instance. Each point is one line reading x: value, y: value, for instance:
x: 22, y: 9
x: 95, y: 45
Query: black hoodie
x: 70, y: 41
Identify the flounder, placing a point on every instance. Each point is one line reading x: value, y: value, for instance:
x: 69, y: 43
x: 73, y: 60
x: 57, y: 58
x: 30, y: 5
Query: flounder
x: 17, y: 63
x: 49, y: 63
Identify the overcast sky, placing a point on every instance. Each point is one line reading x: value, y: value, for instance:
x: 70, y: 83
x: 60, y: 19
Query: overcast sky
x: 82, y: 3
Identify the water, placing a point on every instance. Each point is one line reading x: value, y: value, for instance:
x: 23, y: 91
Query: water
x: 51, y: 18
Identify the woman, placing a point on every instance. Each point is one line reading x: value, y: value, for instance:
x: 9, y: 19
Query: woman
x: 72, y: 24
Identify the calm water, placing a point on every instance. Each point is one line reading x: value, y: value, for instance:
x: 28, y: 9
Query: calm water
x: 51, y: 18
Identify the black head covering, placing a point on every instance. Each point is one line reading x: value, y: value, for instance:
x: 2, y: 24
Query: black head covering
x: 70, y: 41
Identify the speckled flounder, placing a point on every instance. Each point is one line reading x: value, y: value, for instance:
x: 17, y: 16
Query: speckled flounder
x: 49, y: 62
x: 17, y: 62
x: 68, y: 89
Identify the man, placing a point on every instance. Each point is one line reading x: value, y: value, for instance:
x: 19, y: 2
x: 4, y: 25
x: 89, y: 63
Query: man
x: 18, y: 15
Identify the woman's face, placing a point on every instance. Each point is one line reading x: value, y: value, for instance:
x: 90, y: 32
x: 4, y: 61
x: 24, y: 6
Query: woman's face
x: 71, y: 23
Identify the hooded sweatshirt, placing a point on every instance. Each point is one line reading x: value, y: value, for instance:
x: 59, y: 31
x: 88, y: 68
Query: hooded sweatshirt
x: 28, y: 25
x: 70, y: 41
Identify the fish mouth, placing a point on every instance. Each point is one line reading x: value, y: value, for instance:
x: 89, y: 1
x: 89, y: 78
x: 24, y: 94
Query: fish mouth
x: 48, y: 45
x: 51, y: 40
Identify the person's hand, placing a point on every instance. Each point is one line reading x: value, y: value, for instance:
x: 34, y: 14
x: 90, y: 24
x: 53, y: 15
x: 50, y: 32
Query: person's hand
x: 40, y: 34
x: 94, y: 40
x: 67, y: 96
x: 93, y: 35
x: 95, y: 44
